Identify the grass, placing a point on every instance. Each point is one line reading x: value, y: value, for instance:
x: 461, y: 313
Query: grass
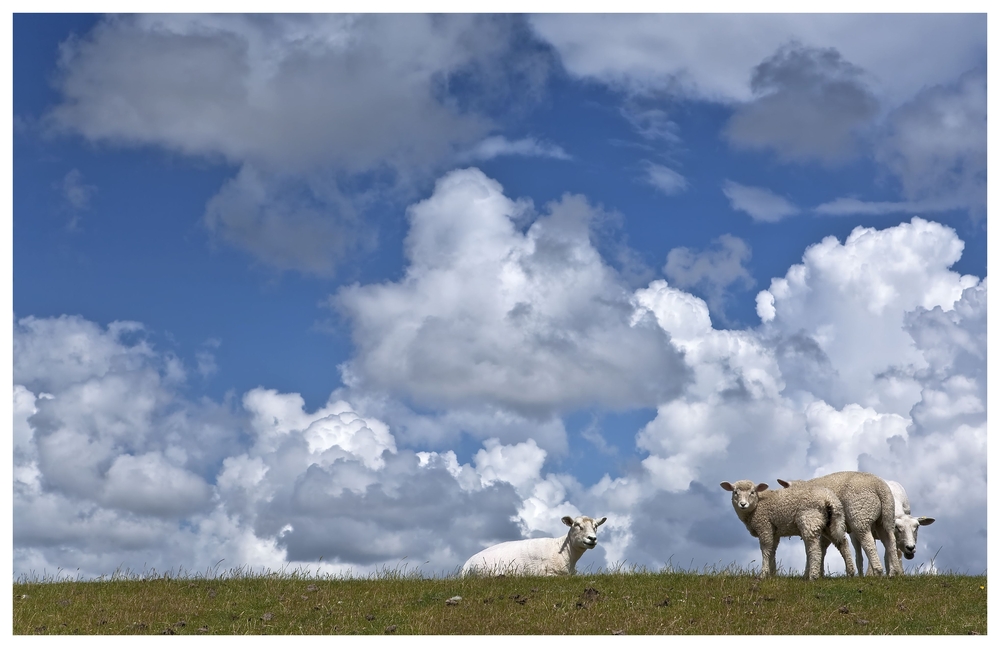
x: 620, y: 601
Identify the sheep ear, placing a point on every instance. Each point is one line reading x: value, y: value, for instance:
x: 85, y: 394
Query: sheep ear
x: 761, y: 488
x: 604, y: 519
x: 567, y: 520
x: 783, y: 483
x: 924, y: 521
x: 726, y: 486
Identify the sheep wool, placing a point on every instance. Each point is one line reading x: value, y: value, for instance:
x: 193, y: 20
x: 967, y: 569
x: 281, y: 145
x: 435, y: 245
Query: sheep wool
x: 808, y: 512
x: 869, y: 509
x: 538, y: 556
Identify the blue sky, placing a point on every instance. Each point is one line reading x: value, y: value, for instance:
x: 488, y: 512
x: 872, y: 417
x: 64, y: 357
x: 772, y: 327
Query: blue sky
x: 280, y: 276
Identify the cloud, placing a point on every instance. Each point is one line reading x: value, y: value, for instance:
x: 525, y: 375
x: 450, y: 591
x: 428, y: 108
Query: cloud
x: 712, y: 270
x: 308, y: 108
x: 592, y: 433
x: 534, y: 322
x: 52, y: 353
x: 853, y: 206
x: 518, y: 465
x: 114, y: 467
x: 664, y: 179
x: 77, y: 195
x: 840, y: 437
x: 110, y: 459
x: 871, y: 356
x: 150, y: 485
x: 763, y: 205
x: 334, y: 484
x: 721, y: 361
x: 935, y: 146
x: 289, y: 91
x: 100, y: 393
x: 808, y: 103
x: 712, y: 56
x: 205, y: 359
x: 652, y: 124
x: 808, y: 88
x: 944, y: 453
x: 285, y: 224
x: 417, y: 427
x: 854, y: 296
x: 936, y: 143
x: 498, y: 145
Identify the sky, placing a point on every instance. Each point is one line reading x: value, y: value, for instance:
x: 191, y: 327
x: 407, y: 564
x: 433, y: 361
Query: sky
x: 342, y: 292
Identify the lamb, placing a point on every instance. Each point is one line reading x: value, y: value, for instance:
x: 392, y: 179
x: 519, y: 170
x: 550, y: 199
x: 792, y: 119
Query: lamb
x: 869, y: 510
x: 538, y: 556
x: 809, y: 512
x: 906, y: 526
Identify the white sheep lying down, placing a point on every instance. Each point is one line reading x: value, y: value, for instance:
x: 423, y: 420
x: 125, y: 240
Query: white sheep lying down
x: 538, y: 556
x: 811, y: 512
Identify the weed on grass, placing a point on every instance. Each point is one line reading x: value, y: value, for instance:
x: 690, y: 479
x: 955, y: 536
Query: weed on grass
x: 619, y: 600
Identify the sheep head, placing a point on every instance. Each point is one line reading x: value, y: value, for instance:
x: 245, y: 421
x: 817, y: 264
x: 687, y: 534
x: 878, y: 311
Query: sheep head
x: 583, y: 531
x: 906, y: 533
x: 745, y: 495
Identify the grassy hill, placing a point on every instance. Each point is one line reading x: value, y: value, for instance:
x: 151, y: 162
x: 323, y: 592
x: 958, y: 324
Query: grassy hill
x: 636, y: 602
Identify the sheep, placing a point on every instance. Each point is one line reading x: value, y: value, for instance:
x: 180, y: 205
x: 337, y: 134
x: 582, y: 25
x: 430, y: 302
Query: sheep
x: 869, y: 509
x: 538, y: 556
x: 806, y: 512
x: 906, y: 526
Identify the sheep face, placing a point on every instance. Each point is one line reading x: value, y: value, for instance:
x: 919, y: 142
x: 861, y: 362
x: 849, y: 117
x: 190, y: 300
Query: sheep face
x: 583, y: 531
x: 745, y: 494
x: 906, y: 533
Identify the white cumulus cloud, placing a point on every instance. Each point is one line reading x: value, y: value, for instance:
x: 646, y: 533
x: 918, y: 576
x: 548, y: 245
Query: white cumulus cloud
x: 535, y: 321
x: 853, y: 296
x: 871, y: 356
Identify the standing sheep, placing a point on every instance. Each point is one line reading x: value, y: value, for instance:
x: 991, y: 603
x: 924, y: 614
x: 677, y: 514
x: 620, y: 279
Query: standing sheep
x: 809, y: 512
x: 869, y: 510
x: 538, y: 556
x: 906, y: 524
x: 906, y: 527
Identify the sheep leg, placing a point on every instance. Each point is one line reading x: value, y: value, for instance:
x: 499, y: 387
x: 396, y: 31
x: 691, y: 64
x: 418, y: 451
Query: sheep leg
x: 824, y: 543
x: 894, y: 563
x: 845, y: 552
x: 814, y: 558
x: 768, y: 546
x: 842, y: 547
x: 868, y: 544
x: 859, y: 555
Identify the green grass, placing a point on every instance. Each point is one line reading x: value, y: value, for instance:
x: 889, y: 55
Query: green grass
x: 619, y: 602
